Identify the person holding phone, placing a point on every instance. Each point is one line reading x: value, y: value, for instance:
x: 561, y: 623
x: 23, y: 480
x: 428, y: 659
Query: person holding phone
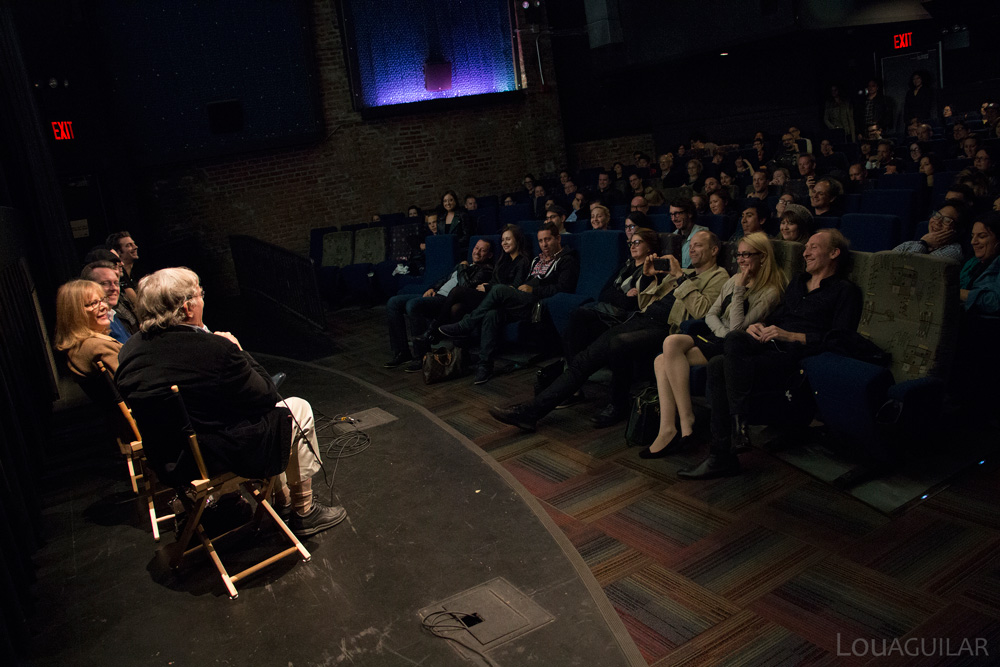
x: 747, y: 297
x: 668, y: 295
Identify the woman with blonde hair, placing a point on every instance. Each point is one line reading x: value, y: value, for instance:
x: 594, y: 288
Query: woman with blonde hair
x: 747, y: 297
x: 83, y: 324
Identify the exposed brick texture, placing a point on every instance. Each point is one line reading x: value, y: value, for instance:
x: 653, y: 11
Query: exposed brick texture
x: 362, y: 167
x: 605, y: 152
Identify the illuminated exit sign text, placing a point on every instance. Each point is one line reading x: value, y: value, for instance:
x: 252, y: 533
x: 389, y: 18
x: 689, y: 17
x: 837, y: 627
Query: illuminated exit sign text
x: 902, y: 41
x: 62, y: 130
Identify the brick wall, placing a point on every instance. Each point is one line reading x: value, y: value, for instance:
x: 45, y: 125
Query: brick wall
x: 363, y: 166
x: 605, y: 152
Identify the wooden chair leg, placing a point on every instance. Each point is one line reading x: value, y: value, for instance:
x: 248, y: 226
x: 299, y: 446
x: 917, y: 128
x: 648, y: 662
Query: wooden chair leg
x: 210, y: 549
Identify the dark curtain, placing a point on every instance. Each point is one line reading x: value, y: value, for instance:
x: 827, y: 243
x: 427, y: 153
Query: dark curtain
x: 33, y: 233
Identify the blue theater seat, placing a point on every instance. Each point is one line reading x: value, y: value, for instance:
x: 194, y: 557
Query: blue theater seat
x: 511, y: 215
x: 871, y: 232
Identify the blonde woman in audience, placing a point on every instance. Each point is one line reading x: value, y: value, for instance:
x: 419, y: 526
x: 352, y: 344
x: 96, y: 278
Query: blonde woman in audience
x: 747, y: 297
x: 83, y: 326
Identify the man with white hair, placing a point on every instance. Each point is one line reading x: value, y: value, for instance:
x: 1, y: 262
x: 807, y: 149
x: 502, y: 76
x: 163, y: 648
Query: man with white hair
x: 242, y: 422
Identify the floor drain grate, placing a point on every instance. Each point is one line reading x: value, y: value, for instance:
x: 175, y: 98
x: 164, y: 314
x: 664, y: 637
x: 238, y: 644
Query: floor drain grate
x: 491, y: 614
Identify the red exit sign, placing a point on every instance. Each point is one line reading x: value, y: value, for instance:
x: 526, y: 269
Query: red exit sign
x: 902, y: 41
x: 62, y: 130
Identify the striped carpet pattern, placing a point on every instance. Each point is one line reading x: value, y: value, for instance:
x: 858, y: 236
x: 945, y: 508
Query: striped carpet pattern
x: 770, y: 567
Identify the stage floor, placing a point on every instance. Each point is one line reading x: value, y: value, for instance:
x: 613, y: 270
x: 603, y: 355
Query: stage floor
x: 430, y: 516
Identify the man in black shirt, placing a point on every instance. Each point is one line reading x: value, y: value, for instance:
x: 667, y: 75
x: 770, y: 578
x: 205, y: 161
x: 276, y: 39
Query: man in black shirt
x: 819, y: 308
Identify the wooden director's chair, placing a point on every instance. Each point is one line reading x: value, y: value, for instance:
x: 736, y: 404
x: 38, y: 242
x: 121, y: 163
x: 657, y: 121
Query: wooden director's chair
x: 130, y: 445
x: 171, y: 416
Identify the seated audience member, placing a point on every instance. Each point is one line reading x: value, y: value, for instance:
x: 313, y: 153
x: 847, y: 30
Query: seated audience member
x: 996, y: 204
x: 418, y: 243
x: 820, y: 306
x: 569, y: 192
x: 556, y: 215
x: 700, y: 204
x: 665, y: 299
x: 471, y: 204
x: 976, y: 181
x: 581, y: 207
x: 753, y: 219
x: 969, y: 147
x: 729, y: 183
x: 802, y: 186
x: 527, y: 194
x: 924, y: 133
x: 555, y: 270
x: 928, y: 166
x: 825, y: 198
x: 639, y: 203
x: 414, y: 211
x: 796, y: 223
x: 895, y: 166
x: 121, y: 244
x: 945, y: 228
x: 607, y: 195
x: 618, y: 301
x: 719, y: 203
x: 670, y: 177
x: 431, y: 304
x: 980, y: 278
x: 682, y: 214
x: 636, y: 186
x: 83, y: 331
x: 983, y: 163
x: 600, y: 217
x: 538, y: 201
x: 508, y: 201
x: 695, y: 180
x: 124, y: 310
x: 758, y: 187
x: 883, y: 155
x: 783, y: 201
x: 959, y: 133
x: 456, y: 221
x: 104, y: 274
x: 241, y: 421
x: 634, y: 221
x: 830, y: 163
x: 915, y: 153
x: 797, y: 135
x: 747, y: 297
x: 779, y: 180
x: 858, y: 179
x: 788, y: 157
x: 711, y: 185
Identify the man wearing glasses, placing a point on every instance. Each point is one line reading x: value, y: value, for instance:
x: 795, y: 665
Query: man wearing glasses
x: 682, y: 214
x: 104, y: 274
x: 944, y: 229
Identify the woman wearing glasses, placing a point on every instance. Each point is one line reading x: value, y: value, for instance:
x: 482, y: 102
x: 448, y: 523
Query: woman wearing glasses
x: 747, y: 297
x: 944, y: 231
x: 82, y: 328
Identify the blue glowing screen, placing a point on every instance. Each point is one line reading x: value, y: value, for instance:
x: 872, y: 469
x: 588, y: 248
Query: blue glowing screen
x: 390, y: 41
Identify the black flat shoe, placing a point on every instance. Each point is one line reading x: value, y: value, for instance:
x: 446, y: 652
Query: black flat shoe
x: 712, y: 467
x: 676, y: 446
x: 515, y: 415
x: 397, y: 361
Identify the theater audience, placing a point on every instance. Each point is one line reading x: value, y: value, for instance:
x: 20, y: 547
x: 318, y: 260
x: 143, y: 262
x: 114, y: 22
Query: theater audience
x: 825, y: 198
x: 752, y: 220
x: 666, y: 299
x: 695, y: 180
x: 555, y: 270
x: 747, y: 297
x: 820, y: 306
x: 634, y: 221
x: 433, y: 305
x: 454, y: 220
x: 758, y: 188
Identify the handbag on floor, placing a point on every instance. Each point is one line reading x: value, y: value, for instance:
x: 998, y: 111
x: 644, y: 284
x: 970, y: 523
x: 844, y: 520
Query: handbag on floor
x: 644, y: 419
x: 443, y: 363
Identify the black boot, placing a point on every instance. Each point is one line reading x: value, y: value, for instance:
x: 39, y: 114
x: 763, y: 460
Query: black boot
x: 428, y: 338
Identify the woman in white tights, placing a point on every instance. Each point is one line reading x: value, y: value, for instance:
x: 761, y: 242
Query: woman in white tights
x: 747, y: 297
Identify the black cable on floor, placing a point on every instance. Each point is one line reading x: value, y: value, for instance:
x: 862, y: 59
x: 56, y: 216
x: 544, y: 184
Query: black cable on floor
x: 440, y: 621
x: 345, y: 445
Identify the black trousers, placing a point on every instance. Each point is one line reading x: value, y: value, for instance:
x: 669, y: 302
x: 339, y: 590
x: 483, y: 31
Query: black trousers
x: 748, y: 366
x: 586, y: 324
x: 638, y: 340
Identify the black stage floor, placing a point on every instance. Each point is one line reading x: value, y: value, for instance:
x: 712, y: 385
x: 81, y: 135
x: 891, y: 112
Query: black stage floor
x: 430, y: 516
